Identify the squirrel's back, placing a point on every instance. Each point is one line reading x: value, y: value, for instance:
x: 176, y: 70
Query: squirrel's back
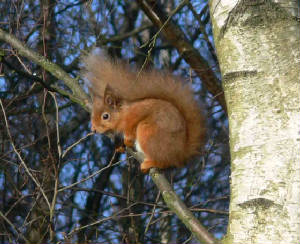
x: 131, y: 85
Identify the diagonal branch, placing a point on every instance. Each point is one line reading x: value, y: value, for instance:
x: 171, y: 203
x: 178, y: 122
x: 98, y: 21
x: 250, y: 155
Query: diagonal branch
x: 78, y: 95
x: 124, y: 36
x: 180, y: 209
x: 177, y: 205
x: 175, y: 36
x: 15, y: 229
x: 49, y: 87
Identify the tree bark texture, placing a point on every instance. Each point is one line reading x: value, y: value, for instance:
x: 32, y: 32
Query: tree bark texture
x: 257, y: 44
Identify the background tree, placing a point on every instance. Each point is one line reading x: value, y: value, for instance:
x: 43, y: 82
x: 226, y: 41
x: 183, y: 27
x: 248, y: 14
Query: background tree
x: 259, y: 54
x: 59, y: 183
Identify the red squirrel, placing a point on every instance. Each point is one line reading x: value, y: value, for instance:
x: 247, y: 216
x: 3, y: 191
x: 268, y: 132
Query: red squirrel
x: 155, y: 111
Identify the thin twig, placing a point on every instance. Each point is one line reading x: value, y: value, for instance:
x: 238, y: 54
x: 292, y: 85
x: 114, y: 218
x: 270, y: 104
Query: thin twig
x: 180, y: 209
x: 102, y: 220
x: 45, y: 119
x: 76, y: 143
x: 57, y: 127
x: 13, y: 227
x: 52, y: 209
x: 152, y: 213
x: 20, y: 158
x: 92, y: 175
x: 78, y: 95
x: 153, y: 39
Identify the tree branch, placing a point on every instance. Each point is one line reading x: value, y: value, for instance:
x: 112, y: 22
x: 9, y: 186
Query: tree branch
x: 78, y: 95
x: 195, y: 60
x: 175, y: 36
x: 49, y: 87
x: 177, y: 205
x: 180, y: 209
x: 124, y: 36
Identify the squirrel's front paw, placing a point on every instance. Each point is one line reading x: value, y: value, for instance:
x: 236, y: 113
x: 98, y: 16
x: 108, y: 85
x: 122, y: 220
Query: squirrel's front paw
x: 129, y: 142
x: 120, y: 149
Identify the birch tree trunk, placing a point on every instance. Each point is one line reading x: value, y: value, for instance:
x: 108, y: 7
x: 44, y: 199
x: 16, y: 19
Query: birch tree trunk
x: 257, y: 44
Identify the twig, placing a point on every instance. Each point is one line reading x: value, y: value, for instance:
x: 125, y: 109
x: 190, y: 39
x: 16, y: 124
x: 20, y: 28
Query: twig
x: 34, y: 78
x: 180, y: 209
x: 177, y: 205
x: 52, y: 209
x: 152, y: 213
x: 92, y: 175
x: 177, y: 38
x: 153, y: 39
x: 57, y: 127
x: 101, y: 220
x: 125, y: 35
x: 13, y: 227
x: 119, y: 196
x: 79, y: 96
x: 20, y: 158
x: 76, y: 143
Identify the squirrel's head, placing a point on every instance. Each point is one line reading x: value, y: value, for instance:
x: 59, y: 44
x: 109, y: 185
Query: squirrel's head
x: 106, y: 112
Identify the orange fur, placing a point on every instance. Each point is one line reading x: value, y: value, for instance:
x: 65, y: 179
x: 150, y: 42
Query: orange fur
x: 155, y: 109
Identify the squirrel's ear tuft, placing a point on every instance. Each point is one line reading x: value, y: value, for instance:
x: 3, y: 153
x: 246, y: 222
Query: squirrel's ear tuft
x: 110, y: 99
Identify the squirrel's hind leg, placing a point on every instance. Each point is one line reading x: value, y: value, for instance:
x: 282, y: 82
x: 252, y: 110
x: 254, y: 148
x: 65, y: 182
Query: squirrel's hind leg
x: 146, y: 165
x: 155, y: 143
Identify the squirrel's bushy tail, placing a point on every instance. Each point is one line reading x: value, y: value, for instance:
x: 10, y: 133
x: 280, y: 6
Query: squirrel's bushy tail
x: 131, y: 85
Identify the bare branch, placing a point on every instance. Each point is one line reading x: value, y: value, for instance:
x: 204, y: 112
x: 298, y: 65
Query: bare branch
x: 180, y: 209
x: 76, y: 143
x: 78, y: 95
x: 177, y: 205
x: 175, y: 36
x: 13, y: 227
x: 20, y: 158
x: 90, y: 176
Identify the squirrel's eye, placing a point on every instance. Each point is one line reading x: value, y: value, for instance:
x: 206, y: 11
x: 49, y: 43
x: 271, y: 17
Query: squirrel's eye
x: 105, y: 116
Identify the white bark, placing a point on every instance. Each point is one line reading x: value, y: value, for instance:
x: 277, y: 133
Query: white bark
x: 258, y: 49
